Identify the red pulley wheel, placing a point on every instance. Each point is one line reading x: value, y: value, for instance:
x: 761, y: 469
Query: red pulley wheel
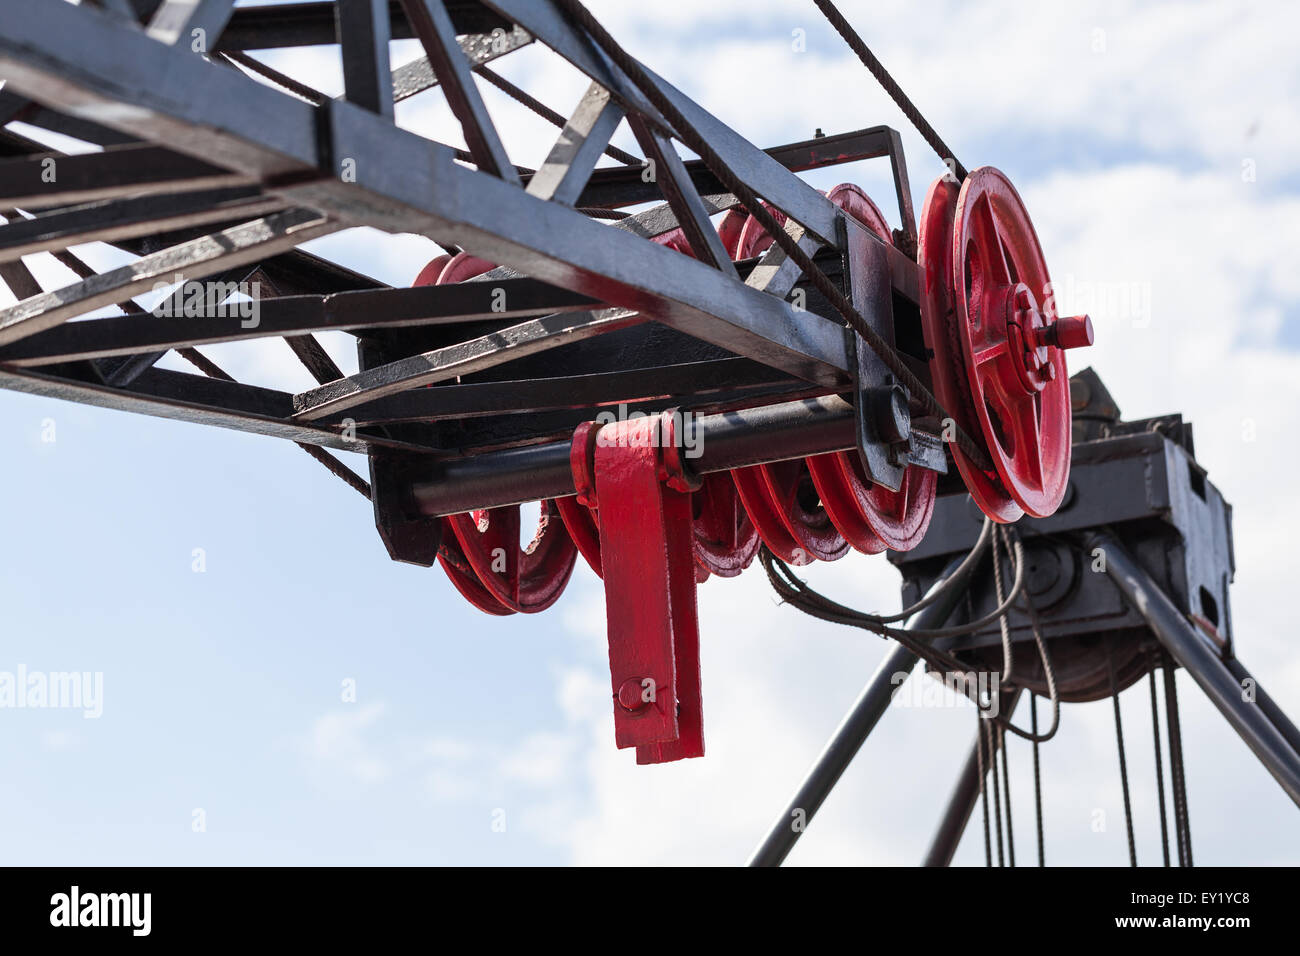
x: 754, y: 240
x: 947, y: 367
x: 731, y: 228
x: 482, y: 555
x: 725, y: 539
x: 787, y: 512
x: 1003, y: 344
x: 527, y: 579
x: 462, y: 576
x: 429, y: 274
x: 870, y: 517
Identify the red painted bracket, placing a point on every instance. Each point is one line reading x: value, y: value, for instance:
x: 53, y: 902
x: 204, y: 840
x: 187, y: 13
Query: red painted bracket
x: 632, y: 473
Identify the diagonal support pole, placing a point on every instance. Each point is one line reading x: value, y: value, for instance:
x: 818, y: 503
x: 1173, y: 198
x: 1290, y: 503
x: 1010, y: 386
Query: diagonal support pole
x: 1195, y: 655
x: 852, y: 732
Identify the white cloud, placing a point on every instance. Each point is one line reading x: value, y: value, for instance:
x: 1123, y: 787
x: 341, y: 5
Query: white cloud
x: 339, y: 744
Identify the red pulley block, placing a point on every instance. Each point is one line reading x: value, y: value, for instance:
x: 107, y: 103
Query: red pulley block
x: 578, y: 512
x: 816, y: 508
x: 870, y: 516
x: 481, y: 552
x: 998, y: 363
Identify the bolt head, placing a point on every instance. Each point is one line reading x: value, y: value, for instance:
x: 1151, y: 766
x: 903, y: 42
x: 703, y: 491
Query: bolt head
x: 629, y: 695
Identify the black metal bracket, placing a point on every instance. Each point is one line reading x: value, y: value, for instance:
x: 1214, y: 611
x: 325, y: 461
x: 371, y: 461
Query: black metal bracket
x: 884, y: 423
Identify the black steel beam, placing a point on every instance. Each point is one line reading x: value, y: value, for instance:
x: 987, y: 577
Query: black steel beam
x: 581, y: 143
x: 1276, y: 715
x: 196, y: 259
x: 199, y: 399
x: 432, y: 24
x: 176, y: 21
x: 295, y: 315
x: 1201, y: 660
x: 853, y: 730
x: 418, y: 76
x: 690, y: 383
x: 669, y: 173
x: 732, y: 440
x: 759, y: 171
x: 23, y: 110
x: 111, y: 221
x: 312, y: 24
x: 615, y: 186
x: 463, y: 358
x: 363, y: 35
x: 55, y: 179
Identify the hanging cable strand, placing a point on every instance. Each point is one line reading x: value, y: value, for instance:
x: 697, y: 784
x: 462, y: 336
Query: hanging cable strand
x: 1049, y: 674
x: 545, y: 112
x: 997, y: 793
x: 1038, y: 780
x: 858, y: 46
x: 795, y: 590
x: 1006, y: 786
x: 691, y: 137
x: 1004, y: 624
x: 1123, y: 766
x: 1160, y: 779
x: 984, y: 796
x: 1178, y: 781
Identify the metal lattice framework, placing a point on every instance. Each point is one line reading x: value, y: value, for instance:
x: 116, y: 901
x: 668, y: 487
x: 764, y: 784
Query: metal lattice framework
x: 838, y: 376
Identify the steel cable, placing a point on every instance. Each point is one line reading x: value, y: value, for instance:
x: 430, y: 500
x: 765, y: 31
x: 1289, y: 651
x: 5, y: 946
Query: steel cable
x: 1160, y: 779
x: 544, y: 111
x: 1178, y: 781
x: 1038, y: 780
x: 1123, y: 764
x: 858, y: 46
x: 997, y: 794
x: 1006, y: 786
x: 687, y: 133
x: 984, y: 797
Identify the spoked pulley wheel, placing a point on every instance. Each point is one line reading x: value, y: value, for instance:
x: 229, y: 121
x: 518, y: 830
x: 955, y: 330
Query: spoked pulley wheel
x: 998, y: 362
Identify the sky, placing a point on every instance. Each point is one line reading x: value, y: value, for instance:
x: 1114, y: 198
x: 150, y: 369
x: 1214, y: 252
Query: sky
x: 231, y: 593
